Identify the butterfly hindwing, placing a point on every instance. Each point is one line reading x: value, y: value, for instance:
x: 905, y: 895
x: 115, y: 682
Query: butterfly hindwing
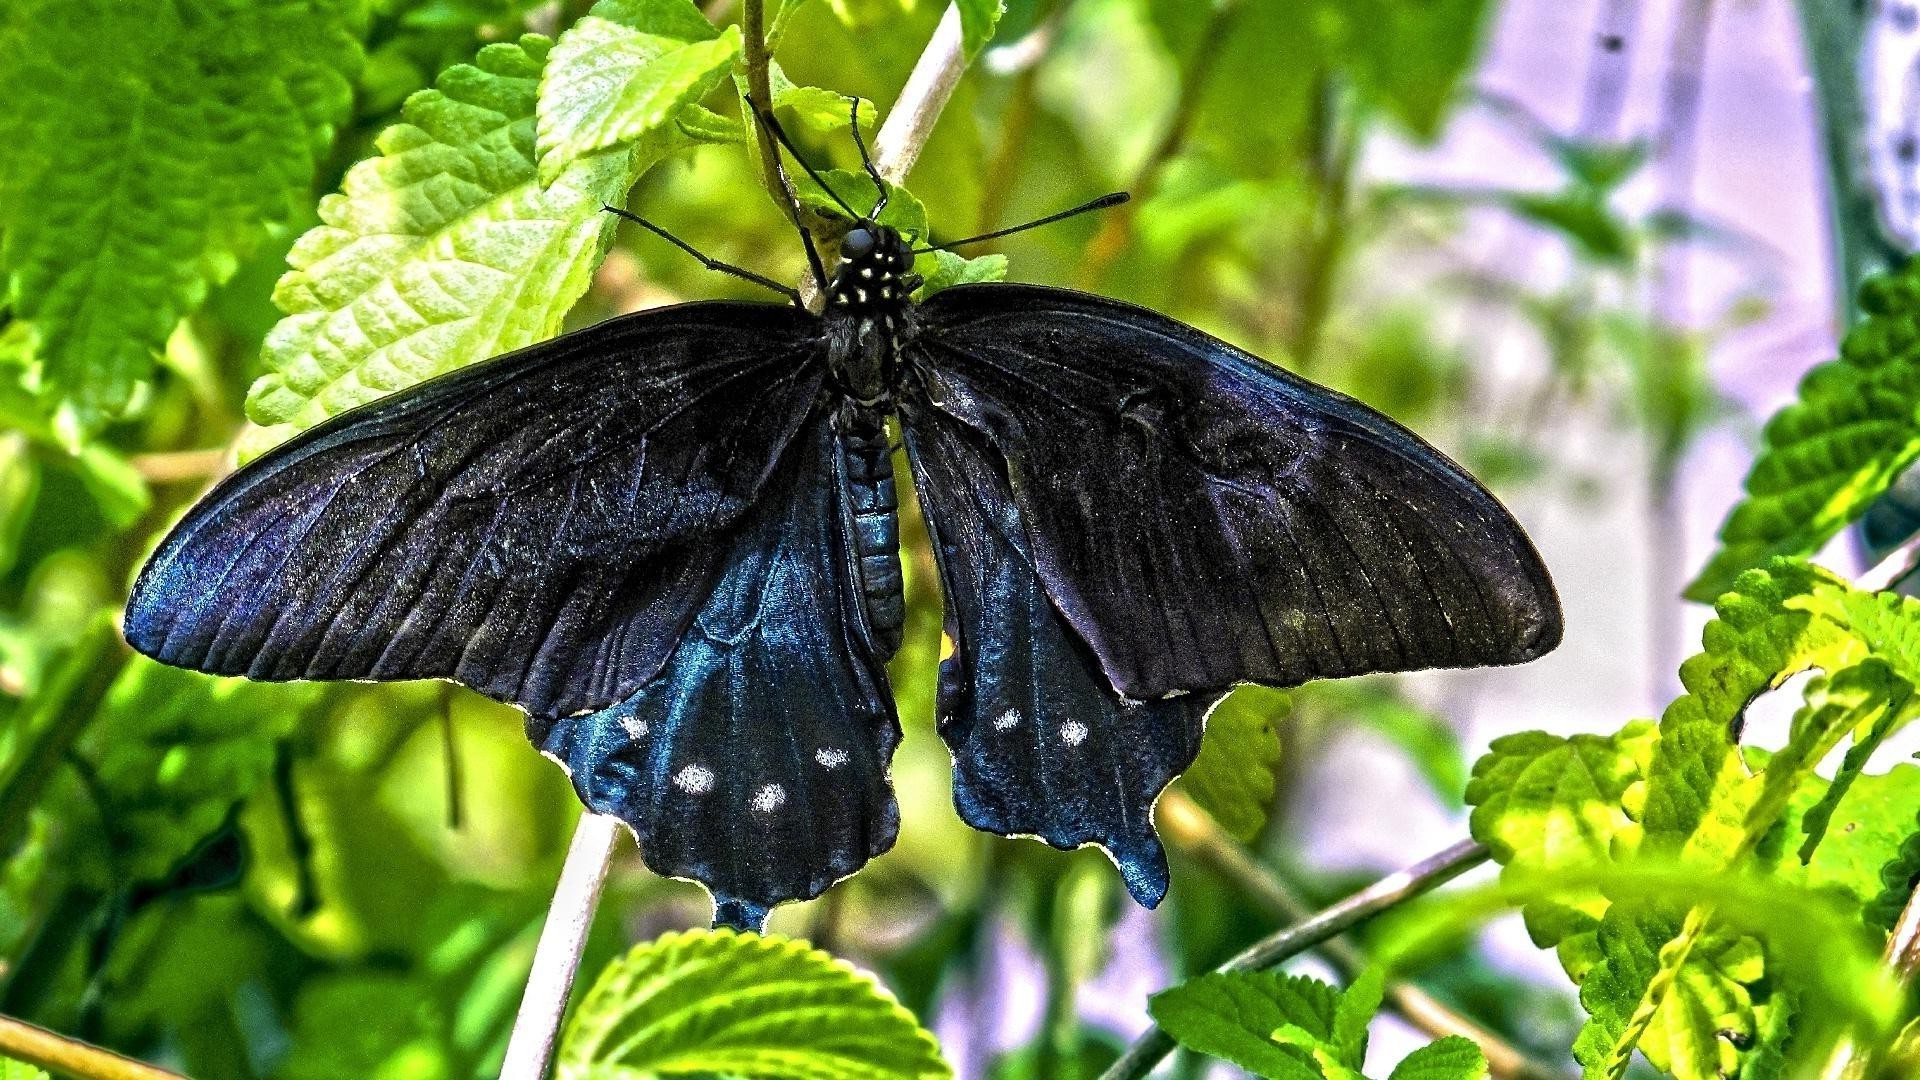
x: 537, y: 526
x: 1042, y: 746
x: 756, y: 761
x: 1203, y: 518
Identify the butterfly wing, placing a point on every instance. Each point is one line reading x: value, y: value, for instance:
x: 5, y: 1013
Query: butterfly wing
x: 1201, y: 517
x: 539, y: 526
x: 756, y: 761
x: 1042, y: 746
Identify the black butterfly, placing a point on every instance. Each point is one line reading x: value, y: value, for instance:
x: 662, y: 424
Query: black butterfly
x: 671, y: 538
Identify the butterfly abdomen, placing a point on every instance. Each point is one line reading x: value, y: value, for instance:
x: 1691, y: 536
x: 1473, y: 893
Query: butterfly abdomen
x: 866, y: 470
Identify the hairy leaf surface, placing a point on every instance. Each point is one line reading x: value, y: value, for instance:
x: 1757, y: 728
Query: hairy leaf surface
x: 149, y: 147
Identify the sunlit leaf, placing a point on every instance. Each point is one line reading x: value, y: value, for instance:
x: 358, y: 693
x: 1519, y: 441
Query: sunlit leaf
x: 1232, y: 779
x: 623, y: 73
x: 1829, y: 455
x: 1451, y: 1058
x: 745, y: 1005
x: 442, y: 251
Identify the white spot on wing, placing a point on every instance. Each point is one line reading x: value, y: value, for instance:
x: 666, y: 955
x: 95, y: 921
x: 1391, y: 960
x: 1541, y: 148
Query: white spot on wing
x: 694, y: 779
x: 635, y: 727
x: 830, y: 757
x: 1006, y: 720
x: 1073, y: 733
x: 769, y: 798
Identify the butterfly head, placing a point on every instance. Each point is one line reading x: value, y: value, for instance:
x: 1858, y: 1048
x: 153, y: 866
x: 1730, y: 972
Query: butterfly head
x: 874, y: 273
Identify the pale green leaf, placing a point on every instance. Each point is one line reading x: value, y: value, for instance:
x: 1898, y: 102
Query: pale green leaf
x: 978, y: 18
x: 1234, y: 1015
x: 950, y: 270
x: 1451, y: 1058
x: 818, y: 109
x: 442, y: 251
x: 717, y: 1001
x: 609, y: 82
x: 19, y: 1070
x: 149, y: 147
x: 1663, y: 984
x: 1543, y: 802
x: 1869, y: 850
x: 1232, y: 779
x: 1829, y: 455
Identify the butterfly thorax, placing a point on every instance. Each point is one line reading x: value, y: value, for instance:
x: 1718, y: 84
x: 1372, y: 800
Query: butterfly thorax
x: 867, y: 310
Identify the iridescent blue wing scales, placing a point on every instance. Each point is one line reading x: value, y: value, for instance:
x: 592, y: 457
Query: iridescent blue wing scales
x: 756, y: 761
x: 1042, y: 746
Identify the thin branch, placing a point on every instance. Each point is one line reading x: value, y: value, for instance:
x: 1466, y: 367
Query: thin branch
x: 929, y: 86
x: 50, y: 1050
x: 556, y: 959
x: 760, y: 96
x: 1195, y: 831
x: 1275, y: 949
x: 180, y: 466
x: 1892, y: 569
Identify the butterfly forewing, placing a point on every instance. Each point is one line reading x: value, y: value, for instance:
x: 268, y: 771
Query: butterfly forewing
x: 1203, y: 518
x: 540, y: 526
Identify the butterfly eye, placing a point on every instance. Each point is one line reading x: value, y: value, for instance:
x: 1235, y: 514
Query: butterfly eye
x: 857, y: 243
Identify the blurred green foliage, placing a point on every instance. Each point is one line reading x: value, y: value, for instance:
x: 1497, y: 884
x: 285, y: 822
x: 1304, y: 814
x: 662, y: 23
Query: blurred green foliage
x: 221, y: 222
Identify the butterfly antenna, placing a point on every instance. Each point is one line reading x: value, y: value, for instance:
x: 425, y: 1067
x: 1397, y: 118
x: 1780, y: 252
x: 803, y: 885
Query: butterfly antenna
x: 1101, y: 203
x: 709, y: 263
x: 780, y: 135
x: 866, y: 162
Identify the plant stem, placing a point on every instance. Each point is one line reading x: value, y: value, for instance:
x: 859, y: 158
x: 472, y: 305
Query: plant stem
x: 1834, y: 34
x: 1277, y: 948
x: 556, y: 959
x: 70, y: 1057
x: 1892, y: 569
x: 753, y: 51
x: 1192, y: 829
x: 929, y: 86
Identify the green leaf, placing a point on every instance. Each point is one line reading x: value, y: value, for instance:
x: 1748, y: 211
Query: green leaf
x: 1451, y: 1058
x: 816, y: 108
x: 1580, y: 217
x: 1232, y: 779
x: 950, y: 270
x: 150, y: 146
x: 610, y: 81
x: 1899, y: 877
x: 1663, y: 984
x: 977, y: 21
x: 1828, y: 456
x: 442, y: 251
x: 1869, y: 850
x: 169, y: 753
x: 1543, y: 802
x: 1233, y: 1015
x: 19, y: 1070
x: 742, y: 1004
x: 1413, y: 58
